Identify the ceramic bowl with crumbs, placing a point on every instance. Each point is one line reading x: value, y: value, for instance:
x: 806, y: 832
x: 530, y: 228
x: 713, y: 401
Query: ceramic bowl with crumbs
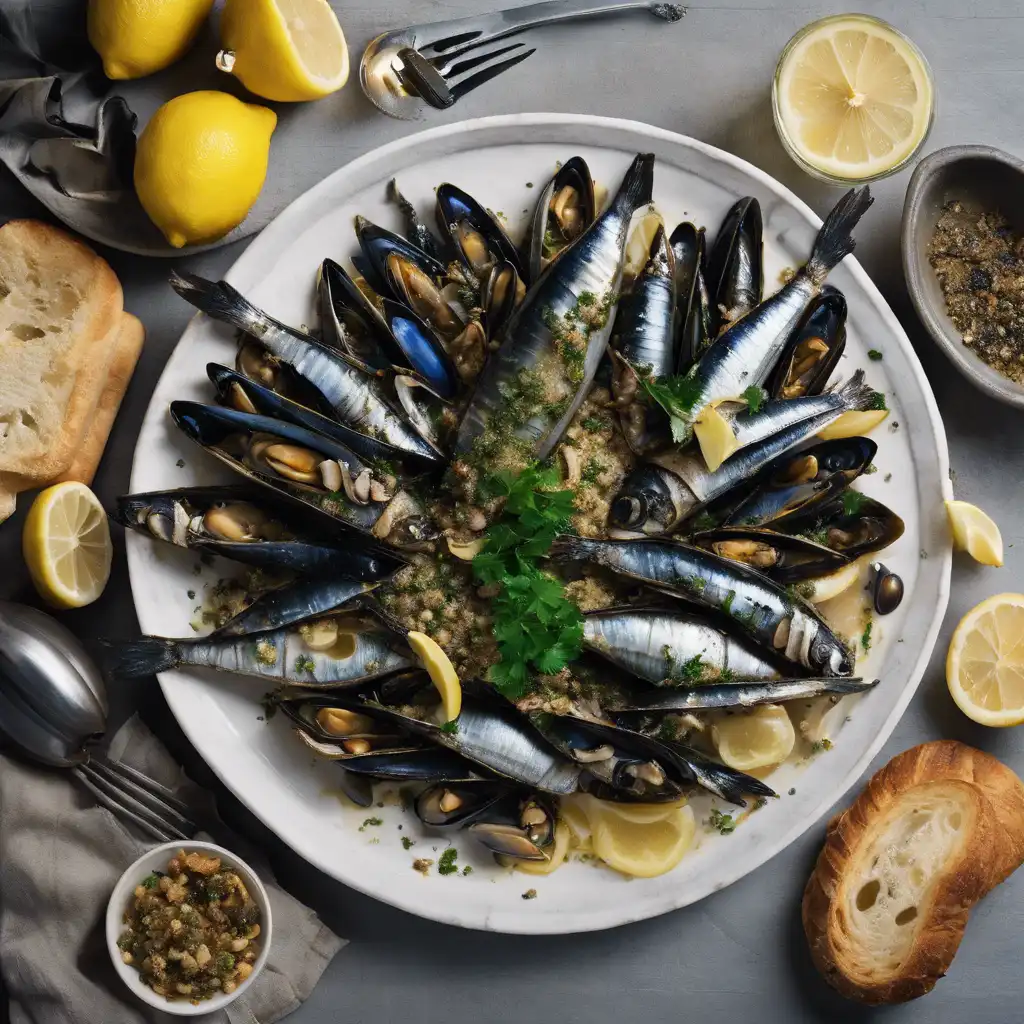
x: 188, y: 927
x: 963, y: 257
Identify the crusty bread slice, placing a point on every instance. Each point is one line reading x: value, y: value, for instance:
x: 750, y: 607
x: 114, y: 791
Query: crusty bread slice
x: 57, y: 297
x: 933, y: 831
x: 126, y: 348
x: 126, y: 352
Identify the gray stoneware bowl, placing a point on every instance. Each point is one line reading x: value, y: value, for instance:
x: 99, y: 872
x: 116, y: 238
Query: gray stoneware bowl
x: 985, y: 178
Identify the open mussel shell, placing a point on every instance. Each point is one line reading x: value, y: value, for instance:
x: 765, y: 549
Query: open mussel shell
x: 234, y: 389
x: 413, y: 345
x: 477, y: 236
x: 518, y: 826
x: 794, y: 484
x: 322, y: 718
x: 781, y: 557
x: 455, y: 804
x: 253, y: 526
x: 694, y: 323
x: 813, y: 351
x: 377, y: 245
x: 260, y: 366
x: 736, y: 263
x: 565, y: 208
x: 851, y: 524
x: 427, y: 411
x: 349, y: 321
x: 242, y: 442
x: 503, y: 291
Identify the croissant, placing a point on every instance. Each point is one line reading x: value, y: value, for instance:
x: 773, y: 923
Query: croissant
x: 934, y: 830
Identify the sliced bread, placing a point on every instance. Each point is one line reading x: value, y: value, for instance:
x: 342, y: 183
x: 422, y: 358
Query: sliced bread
x: 57, y: 297
x: 934, y: 831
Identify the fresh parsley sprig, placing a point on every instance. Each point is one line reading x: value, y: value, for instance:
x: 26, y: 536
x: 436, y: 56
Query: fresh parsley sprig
x: 678, y: 395
x: 537, y: 628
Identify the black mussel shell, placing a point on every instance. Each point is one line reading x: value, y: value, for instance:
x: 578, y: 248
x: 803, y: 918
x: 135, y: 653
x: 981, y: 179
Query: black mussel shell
x: 503, y: 292
x: 349, y: 321
x: 415, y: 230
x: 415, y: 346
x: 257, y: 364
x: 852, y: 524
x: 519, y: 826
x: 377, y: 244
x: 694, y: 321
x: 550, y: 233
x: 736, y: 264
x: 478, y: 238
x: 455, y: 804
x: 813, y: 352
x: 783, y: 558
x: 887, y: 590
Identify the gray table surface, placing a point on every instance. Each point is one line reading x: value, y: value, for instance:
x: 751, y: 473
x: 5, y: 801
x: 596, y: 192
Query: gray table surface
x: 739, y: 955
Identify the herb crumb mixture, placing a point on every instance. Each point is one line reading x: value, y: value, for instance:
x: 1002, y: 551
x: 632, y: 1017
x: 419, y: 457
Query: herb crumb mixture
x: 190, y: 932
x: 979, y: 261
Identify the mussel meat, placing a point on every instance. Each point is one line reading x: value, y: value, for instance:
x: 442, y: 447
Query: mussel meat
x: 478, y: 238
x: 813, y: 351
x: 349, y: 321
x: 781, y: 557
x: 566, y: 207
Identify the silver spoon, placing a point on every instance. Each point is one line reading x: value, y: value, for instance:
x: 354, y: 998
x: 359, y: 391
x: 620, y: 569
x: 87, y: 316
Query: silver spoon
x: 440, y: 44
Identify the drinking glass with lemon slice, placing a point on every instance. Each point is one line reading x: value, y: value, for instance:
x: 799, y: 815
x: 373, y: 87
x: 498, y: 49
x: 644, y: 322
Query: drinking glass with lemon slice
x: 853, y: 99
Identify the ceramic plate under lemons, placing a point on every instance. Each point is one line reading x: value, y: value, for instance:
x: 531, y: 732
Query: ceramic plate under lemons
x: 261, y: 761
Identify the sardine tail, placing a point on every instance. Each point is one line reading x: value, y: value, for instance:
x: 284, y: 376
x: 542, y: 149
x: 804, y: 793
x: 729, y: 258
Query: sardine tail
x: 856, y: 395
x: 218, y: 300
x: 637, y: 186
x: 835, y: 239
x: 146, y: 656
x: 569, y: 549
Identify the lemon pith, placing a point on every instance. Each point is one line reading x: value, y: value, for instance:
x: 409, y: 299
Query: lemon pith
x: 201, y: 163
x: 66, y: 545
x: 985, y: 662
x: 284, y: 50
x: 139, y: 37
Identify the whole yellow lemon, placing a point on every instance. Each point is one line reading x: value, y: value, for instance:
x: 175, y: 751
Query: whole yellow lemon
x: 138, y: 37
x: 201, y: 163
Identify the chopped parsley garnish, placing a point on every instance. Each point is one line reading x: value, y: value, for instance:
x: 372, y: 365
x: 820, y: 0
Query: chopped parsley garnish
x: 722, y: 822
x: 304, y: 663
x: 468, y: 869
x: 151, y: 881
x: 537, y: 628
x: 594, y: 423
x: 853, y: 502
x: 754, y: 397
x: 727, y: 603
x: 370, y: 821
x: 408, y: 843
x: 446, y: 864
x: 878, y: 401
x: 819, y: 745
x: 865, y: 637
x: 678, y: 396
x: 593, y: 469
x: 451, y: 727
x: 874, y: 355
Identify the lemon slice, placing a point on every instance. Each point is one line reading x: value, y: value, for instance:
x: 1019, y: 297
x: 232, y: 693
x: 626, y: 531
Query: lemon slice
x: 853, y: 97
x: 985, y: 663
x: 286, y: 50
x: 638, y: 248
x: 853, y: 424
x: 643, y: 850
x: 975, y: 533
x: 572, y: 810
x: 716, y: 438
x: 825, y: 588
x: 441, y: 671
x: 635, y: 814
x: 66, y: 544
x: 556, y: 854
x: 754, y: 739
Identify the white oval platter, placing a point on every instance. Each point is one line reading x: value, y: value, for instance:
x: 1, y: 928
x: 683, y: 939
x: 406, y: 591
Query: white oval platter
x: 262, y: 763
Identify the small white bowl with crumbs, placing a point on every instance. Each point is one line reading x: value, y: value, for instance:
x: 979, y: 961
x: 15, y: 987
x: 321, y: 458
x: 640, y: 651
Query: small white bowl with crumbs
x: 206, y: 933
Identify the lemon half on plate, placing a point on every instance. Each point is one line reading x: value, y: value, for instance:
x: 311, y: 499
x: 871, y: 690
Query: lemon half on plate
x: 853, y: 98
x: 985, y: 663
x: 66, y: 544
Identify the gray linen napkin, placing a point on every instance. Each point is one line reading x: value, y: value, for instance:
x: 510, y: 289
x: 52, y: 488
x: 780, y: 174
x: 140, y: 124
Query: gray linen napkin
x: 60, y: 856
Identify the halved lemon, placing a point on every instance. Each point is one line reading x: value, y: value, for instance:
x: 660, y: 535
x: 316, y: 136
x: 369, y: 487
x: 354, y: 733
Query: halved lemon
x: 985, y: 663
x: 286, y: 50
x: 975, y: 532
x: 643, y: 851
x: 754, y: 739
x: 66, y: 545
x: 853, y: 98
x: 441, y: 671
x: 854, y: 423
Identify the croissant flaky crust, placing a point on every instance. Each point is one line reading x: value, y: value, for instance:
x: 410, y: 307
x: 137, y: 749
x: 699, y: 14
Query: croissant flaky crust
x: 934, y: 830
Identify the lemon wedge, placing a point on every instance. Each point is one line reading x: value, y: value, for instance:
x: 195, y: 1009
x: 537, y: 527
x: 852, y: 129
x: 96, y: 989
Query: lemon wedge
x: 985, y: 663
x: 716, y: 438
x: 853, y: 98
x: 638, y: 247
x: 854, y: 423
x: 285, y: 50
x: 825, y: 588
x: 66, y: 545
x: 975, y: 533
x: 754, y: 739
x: 441, y: 671
x: 643, y: 850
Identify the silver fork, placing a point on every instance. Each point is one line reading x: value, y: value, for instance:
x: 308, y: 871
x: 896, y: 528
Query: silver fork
x: 440, y: 43
x: 135, y: 797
